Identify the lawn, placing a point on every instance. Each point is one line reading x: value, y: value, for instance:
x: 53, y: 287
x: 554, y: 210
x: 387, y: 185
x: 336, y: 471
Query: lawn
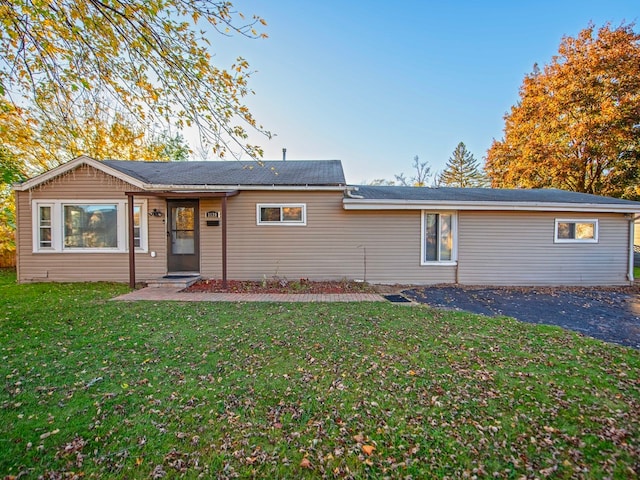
x: 98, y: 388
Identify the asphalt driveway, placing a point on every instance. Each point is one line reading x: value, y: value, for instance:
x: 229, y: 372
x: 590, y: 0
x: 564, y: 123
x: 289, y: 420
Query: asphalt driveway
x: 612, y: 315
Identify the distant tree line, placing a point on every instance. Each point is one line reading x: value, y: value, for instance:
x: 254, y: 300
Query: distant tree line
x: 462, y: 170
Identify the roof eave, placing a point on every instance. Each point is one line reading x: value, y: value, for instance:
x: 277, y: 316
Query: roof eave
x: 72, y: 165
x: 207, y: 188
x: 367, y: 204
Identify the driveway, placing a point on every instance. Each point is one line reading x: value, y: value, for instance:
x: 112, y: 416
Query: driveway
x: 612, y: 315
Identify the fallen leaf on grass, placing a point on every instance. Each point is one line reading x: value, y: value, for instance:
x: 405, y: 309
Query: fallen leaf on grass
x: 305, y: 463
x: 368, y: 449
x: 48, y: 434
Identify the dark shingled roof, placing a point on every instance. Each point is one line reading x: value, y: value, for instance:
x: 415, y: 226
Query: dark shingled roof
x: 482, y: 195
x: 232, y: 172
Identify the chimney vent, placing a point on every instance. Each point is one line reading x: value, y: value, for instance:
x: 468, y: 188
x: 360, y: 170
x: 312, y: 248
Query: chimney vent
x: 284, y: 154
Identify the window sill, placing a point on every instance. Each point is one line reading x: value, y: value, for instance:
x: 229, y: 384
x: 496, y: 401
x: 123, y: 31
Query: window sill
x: 87, y: 251
x: 574, y: 241
x: 281, y: 224
x: 439, y: 264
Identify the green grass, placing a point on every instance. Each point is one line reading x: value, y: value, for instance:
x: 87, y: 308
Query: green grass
x: 636, y: 273
x: 98, y: 388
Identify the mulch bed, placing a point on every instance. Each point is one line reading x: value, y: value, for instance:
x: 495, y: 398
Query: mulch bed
x: 280, y: 286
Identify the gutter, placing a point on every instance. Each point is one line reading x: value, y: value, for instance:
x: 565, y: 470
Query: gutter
x: 357, y: 204
x: 206, y: 188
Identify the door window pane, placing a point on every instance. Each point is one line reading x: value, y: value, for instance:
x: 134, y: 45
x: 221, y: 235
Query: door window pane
x: 183, y: 230
x: 183, y: 242
x: 183, y: 218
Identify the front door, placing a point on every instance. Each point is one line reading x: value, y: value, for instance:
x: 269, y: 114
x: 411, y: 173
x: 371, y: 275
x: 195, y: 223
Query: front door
x: 183, y: 236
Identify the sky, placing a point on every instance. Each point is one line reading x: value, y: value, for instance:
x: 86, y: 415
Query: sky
x: 375, y: 83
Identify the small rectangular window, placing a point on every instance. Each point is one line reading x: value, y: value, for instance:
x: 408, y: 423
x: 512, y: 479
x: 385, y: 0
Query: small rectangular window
x: 137, y: 229
x: 282, y: 214
x: 576, y: 231
x: 44, y: 226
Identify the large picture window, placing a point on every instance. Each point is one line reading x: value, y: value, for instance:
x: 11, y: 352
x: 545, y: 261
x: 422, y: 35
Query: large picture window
x: 77, y: 226
x: 282, y: 214
x: 576, y: 231
x: 438, y: 237
x: 90, y: 226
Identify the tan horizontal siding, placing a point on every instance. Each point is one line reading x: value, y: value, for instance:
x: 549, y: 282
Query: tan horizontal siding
x: 210, y: 240
x: 501, y: 248
x: 85, y: 183
x: 331, y: 246
x: 517, y: 248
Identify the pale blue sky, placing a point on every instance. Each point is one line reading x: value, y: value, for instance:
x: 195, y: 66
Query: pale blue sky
x: 375, y: 83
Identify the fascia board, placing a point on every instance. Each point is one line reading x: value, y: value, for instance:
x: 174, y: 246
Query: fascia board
x: 206, y: 188
x: 71, y: 165
x: 352, y: 204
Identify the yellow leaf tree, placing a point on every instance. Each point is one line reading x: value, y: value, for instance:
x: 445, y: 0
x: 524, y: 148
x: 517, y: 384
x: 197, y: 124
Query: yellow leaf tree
x: 31, y: 144
x: 148, y: 58
x: 577, y: 123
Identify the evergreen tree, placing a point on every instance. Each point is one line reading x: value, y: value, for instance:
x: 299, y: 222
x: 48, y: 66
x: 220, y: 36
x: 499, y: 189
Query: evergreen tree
x: 462, y: 170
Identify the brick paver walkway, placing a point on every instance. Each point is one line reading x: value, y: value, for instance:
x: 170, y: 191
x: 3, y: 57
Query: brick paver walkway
x: 159, y: 294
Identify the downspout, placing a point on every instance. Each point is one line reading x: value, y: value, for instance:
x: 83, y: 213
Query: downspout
x: 17, y: 232
x: 631, y: 220
x: 132, y: 248
x: 224, y: 242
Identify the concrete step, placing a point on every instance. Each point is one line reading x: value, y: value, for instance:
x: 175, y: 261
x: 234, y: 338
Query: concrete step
x: 173, y: 281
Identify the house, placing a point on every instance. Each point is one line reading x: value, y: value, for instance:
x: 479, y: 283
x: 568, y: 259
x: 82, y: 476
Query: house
x: 90, y: 220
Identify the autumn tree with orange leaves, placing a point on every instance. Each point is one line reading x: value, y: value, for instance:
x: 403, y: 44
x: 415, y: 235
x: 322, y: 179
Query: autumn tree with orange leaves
x: 577, y: 124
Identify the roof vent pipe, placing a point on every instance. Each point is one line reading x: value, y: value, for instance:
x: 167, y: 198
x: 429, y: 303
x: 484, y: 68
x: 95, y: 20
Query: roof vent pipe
x: 284, y: 154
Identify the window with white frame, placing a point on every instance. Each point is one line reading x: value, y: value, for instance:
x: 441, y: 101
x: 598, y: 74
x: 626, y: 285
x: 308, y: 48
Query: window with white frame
x: 44, y: 237
x: 576, y: 231
x: 86, y: 226
x: 90, y: 226
x: 281, y: 214
x: 137, y: 226
x: 438, y: 237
